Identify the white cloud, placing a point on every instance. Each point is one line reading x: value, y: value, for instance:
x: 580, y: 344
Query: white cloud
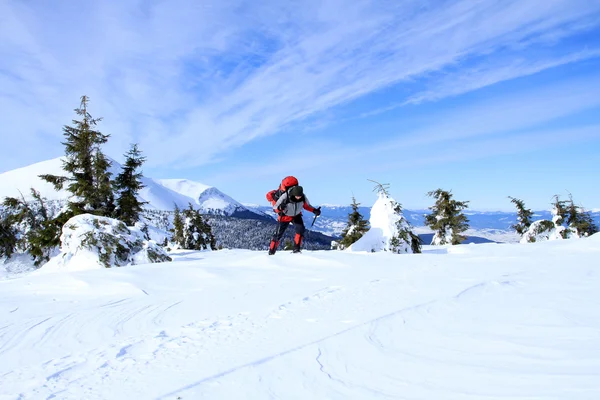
x: 191, y: 80
x: 512, y: 123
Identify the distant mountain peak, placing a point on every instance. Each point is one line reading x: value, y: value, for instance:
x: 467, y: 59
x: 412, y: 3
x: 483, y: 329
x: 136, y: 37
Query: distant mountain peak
x: 160, y: 194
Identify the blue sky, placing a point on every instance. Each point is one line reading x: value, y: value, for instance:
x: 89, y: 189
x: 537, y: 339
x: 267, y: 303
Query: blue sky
x: 488, y: 99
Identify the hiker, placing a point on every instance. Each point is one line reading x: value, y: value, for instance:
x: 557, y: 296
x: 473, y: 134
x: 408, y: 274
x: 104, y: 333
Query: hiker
x: 288, y: 202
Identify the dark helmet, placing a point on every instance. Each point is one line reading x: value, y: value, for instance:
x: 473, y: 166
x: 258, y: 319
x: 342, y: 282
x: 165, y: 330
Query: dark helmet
x: 296, y: 191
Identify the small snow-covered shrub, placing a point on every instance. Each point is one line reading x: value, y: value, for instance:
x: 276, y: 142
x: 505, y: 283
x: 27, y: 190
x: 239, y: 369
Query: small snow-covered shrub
x: 90, y: 241
x: 541, y: 230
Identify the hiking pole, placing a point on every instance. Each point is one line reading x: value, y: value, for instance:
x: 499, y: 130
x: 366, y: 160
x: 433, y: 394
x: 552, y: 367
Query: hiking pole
x: 315, y: 218
x: 311, y: 225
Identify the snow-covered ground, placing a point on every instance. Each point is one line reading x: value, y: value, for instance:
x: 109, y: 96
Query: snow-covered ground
x: 488, y: 321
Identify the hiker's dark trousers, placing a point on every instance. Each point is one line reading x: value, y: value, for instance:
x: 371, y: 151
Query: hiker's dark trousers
x: 282, y: 226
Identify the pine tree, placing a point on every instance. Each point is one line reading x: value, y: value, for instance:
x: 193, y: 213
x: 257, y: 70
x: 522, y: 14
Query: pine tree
x: 127, y: 186
x: 405, y: 234
x: 177, y: 230
x: 356, y: 227
x: 104, y: 198
x: 8, y: 236
x: 559, y: 216
x: 447, y: 220
x: 197, y: 233
x: 559, y: 211
x: 89, y: 179
x: 41, y: 232
x: 579, y: 220
x: 523, y: 215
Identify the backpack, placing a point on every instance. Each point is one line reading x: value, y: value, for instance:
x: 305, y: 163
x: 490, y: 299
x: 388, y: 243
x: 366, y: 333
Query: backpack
x: 286, y: 183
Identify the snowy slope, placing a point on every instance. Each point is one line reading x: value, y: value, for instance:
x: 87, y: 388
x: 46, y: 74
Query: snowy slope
x: 209, y: 199
x: 469, y: 322
x: 161, y: 194
x: 20, y: 180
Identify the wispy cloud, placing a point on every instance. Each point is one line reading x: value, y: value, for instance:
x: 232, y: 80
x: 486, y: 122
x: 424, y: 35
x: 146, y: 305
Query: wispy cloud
x: 513, y: 123
x: 192, y: 80
x: 449, y: 84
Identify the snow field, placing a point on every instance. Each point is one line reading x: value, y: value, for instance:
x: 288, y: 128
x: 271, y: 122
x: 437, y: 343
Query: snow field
x: 466, y: 322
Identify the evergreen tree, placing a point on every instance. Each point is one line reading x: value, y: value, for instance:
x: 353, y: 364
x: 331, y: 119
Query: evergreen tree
x: 177, y: 230
x: 523, y: 215
x: 404, y: 233
x: 559, y: 216
x: 559, y: 211
x: 89, y: 179
x: 104, y: 198
x: 8, y: 236
x: 580, y: 221
x: 127, y: 186
x: 41, y: 232
x: 197, y: 233
x: 356, y: 227
x: 447, y: 220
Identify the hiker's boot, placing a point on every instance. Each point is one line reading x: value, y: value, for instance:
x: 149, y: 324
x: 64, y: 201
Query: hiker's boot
x: 273, y: 247
x: 297, y: 243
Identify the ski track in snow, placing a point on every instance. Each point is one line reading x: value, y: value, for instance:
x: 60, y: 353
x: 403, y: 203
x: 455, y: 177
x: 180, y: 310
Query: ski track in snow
x: 407, y: 335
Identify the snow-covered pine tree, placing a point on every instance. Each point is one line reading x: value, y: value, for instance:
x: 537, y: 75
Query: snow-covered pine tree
x: 549, y: 230
x: 539, y: 230
x: 40, y: 232
x: 356, y: 227
x: 580, y: 222
x: 559, y: 217
x: 389, y: 230
x: 404, y: 237
x: 447, y: 220
x: 197, y: 233
x: 177, y: 231
x: 8, y: 235
x: 127, y: 185
x: 584, y: 225
x: 89, y: 179
x: 523, y: 216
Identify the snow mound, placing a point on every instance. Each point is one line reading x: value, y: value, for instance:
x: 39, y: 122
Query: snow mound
x: 91, y: 242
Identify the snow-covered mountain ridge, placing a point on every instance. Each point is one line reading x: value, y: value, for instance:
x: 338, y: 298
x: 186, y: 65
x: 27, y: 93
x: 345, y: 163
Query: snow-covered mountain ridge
x: 160, y: 194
